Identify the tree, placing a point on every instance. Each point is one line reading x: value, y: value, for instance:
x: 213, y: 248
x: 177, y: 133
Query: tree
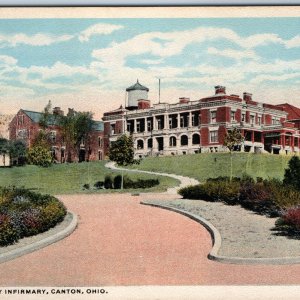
x: 44, y: 120
x: 76, y: 130
x: 122, y: 152
x: 40, y: 156
x: 17, y: 151
x: 232, y: 139
x: 292, y: 173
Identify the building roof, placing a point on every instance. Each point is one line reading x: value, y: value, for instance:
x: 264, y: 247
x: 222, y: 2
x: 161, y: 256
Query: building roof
x: 293, y: 111
x: 137, y: 86
x: 36, y: 117
x: 98, y: 126
x: 54, y: 120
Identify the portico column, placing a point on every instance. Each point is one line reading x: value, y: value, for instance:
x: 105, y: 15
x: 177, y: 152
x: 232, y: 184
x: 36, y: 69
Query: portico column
x: 293, y: 142
x: 252, y: 136
x: 178, y: 120
x: 154, y: 123
x: 134, y: 126
x: 190, y: 119
x: 146, y: 125
x: 166, y: 120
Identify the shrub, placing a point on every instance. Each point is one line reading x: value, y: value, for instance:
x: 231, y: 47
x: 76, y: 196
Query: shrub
x: 108, y: 182
x: 25, y: 213
x: 99, y: 185
x: 40, y: 156
x: 290, y: 221
x: 139, y: 184
x: 194, y: 192
x: 8, y: 233
x: 292, y: 173
x: 86, y: 186
x: 118, y: 182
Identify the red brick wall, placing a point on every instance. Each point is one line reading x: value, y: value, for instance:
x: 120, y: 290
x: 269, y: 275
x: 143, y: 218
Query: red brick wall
x: 222, y: 132
x: 223, y: 114
x: 205, y: 116
x: 204, y: 136
x: 238, y: 115
x: 247, y: 116
x: 268, y: 119
x: 143, y: 104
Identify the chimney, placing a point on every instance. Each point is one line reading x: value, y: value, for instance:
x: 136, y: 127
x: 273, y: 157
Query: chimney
x: 58, y: 111
x: 184, y: 100
x: 247, y: 96
x: 219, y: 89
x: 143, y: 104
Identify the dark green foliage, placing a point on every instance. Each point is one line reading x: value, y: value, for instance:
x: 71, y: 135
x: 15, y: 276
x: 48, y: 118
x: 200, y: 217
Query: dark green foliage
x: 99, y: 185
x: 122, y: 151
x: 233, y: 138
x: 86, y: 186
x: 268, y: 197
x: 108, y: 182
x: 39, y: 156
x: 25, y: 213
x: 17, y: 150
x: 118, y: 182
x: 292, y: 173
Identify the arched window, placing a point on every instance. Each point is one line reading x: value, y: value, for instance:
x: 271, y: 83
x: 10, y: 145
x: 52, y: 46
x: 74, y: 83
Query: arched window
x: 150, y: 143
x: 172, y: 141
x: 196, y: 139
x: 184, y: 140
x: 140, y: 144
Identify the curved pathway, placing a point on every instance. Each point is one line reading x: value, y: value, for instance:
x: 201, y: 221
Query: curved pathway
x: 120, y: 242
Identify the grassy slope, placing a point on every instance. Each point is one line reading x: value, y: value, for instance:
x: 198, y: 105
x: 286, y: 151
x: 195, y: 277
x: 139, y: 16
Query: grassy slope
x: 68, y: 178
x: 206, y: 165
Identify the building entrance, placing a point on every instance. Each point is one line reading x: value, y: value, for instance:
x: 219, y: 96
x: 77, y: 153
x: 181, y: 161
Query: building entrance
x: 160, y: 143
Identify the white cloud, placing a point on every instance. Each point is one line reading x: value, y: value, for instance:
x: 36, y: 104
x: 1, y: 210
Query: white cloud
x: 6, y: 60
x: 234, y: 54
x: 98, y: 29
x: 39, y: 39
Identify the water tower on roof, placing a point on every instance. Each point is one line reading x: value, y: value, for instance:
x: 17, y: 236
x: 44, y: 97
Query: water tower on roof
x: 136, y: 92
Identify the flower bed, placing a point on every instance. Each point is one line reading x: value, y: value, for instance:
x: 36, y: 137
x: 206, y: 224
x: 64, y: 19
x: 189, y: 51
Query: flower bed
x: 25, y: 213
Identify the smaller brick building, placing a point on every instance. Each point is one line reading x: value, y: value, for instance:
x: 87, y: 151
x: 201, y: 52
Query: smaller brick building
x: 25, y: 126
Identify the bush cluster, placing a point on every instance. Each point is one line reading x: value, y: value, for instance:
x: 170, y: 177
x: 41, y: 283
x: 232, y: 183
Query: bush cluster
x: 116, y: 183
x: 25, y: 213
x: 268, y: 197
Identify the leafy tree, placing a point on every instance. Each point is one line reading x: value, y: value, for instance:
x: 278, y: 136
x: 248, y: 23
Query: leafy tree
x: 76, y: 129
x: 40, y: 156
x: 232, y: 139
x: 17, y: 150
x: 4, y: 145
x: 122, y: 152
x: 46, y: 115
x: 292, y: 173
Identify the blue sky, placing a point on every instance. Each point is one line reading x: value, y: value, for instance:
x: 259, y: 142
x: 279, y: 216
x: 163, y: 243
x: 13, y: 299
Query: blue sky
x: 88, y: 63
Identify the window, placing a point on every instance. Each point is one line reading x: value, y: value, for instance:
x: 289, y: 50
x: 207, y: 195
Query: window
x: 172, y: 141
x: 21, y: 120
x: 252, y: 118
x: 259, y: 120
x: 138, y: 126
x: 213, y: 116
x: 100, y: 155
x: 112, y: 128
x: 140, y: 144
x: 149, y: 125
x: 22, y: 134
x: 53, y: 136
x: 150, y: 143
x: 170, y: 123
x: 129, y: 127
x: 196, y: 139
x: 100, y: 141
x: 193, y: 120
x: 184, y: 140
x: 181, y: 121
x: 159, y: 124
x: 232, y: 116
x: 213, y: 136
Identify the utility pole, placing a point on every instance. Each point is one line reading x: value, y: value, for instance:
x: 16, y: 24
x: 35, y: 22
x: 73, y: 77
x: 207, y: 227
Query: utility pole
x: 159, y: 90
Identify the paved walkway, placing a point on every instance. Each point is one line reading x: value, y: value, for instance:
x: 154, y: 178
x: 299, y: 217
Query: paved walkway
x: 120, y: 242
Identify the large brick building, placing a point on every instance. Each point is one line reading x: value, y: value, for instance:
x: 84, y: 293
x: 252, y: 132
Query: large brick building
x: 25, y: 126
x: 200, y: 126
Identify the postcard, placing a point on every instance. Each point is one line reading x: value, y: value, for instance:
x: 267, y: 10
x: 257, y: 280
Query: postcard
x: 150, y: 153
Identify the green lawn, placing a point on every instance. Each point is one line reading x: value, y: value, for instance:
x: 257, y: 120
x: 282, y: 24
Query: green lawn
x: 205, y: 165
x: 70, y: 178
